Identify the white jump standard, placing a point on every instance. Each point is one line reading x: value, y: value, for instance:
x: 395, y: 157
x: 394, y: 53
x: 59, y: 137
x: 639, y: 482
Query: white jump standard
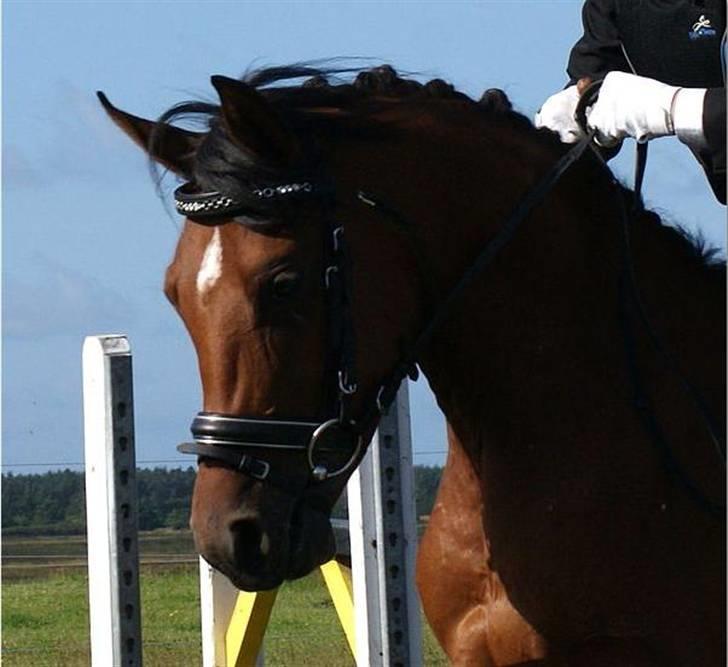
x: 111, y: 503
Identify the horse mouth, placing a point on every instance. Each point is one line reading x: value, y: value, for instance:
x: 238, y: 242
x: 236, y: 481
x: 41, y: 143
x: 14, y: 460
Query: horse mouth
x: 248, y: 574
x: 311, y: 542
x: 256, y: 558
x: 252, y: 584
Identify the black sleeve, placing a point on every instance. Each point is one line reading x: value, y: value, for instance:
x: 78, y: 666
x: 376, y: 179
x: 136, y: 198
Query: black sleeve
x: 713, y: 159
x: 599, y: 50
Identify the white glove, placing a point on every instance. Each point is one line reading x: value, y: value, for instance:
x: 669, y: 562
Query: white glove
x: 557, y: 113
x: 632, y: 106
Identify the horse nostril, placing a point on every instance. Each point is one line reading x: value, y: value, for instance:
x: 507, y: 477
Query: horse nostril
x: 250, y: 545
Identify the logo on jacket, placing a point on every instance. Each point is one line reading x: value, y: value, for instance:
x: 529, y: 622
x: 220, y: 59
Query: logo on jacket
x: 702, y: 28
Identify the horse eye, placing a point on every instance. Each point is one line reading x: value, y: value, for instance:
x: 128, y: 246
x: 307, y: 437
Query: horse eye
x: 286, y: 284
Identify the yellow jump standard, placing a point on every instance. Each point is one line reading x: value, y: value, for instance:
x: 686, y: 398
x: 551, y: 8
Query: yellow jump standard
x: 244, y: 636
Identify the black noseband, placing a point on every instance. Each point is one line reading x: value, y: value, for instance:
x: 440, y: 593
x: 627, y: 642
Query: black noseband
x: 223, y: 430
x: 226, y: 438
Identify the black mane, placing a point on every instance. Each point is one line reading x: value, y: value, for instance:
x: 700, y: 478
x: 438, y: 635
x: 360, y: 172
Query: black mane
x: 296, y: 91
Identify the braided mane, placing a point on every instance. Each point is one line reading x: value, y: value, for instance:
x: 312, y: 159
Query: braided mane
x: 379, y: 81
x: 304, y: 88
x: 300, y: 92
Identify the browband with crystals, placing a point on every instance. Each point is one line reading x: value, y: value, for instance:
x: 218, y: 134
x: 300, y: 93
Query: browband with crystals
x: 209, y: 204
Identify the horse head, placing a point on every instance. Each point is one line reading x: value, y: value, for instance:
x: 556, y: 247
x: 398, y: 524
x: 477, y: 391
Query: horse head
x: 278, y: 312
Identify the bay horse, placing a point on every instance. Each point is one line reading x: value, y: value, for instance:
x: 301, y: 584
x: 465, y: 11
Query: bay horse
x: 580, y: 520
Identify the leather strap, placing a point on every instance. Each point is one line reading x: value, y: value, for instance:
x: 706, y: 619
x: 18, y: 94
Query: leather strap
x: 243, y: 462
x: 217, y: 429
x: 408, y: 365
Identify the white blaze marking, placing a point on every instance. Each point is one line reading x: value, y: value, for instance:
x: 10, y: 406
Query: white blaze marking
x: 211, y: 267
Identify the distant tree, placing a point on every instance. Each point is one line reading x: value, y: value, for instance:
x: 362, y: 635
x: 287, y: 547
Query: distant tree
x: 164, y: 497
x: 48, y: 499
x: 178, y: 518
x: 427, y: 480
x: 54, y: 502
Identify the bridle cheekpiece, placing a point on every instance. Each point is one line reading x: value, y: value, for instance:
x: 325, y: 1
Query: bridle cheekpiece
x: 229, y: 438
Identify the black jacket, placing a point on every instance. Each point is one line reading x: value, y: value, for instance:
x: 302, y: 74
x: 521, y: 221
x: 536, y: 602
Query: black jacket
x: 677, y: 42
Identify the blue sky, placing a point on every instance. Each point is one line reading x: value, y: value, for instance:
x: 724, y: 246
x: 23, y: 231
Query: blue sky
x: 85, y: 237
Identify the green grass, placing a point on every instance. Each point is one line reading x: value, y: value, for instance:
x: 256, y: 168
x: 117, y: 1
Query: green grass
x: 45, y: 617
x: 45, y: 620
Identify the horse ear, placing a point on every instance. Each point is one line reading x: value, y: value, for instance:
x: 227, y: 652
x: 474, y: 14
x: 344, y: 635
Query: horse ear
x: 173, y: 147
x: 253, y: 124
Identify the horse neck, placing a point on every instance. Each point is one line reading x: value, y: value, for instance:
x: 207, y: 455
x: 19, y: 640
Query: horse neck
x: 537, y: 337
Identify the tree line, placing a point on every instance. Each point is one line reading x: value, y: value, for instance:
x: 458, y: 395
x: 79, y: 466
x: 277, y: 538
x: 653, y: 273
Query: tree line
x: 53, y: 503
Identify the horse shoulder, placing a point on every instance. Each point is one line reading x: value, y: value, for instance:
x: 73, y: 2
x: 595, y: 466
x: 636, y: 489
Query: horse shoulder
x: 464, y: 600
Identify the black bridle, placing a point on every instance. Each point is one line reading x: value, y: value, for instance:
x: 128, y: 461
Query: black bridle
x: 229, y: 438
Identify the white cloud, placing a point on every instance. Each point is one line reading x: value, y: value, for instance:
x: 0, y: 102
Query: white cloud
x: 61, y: 301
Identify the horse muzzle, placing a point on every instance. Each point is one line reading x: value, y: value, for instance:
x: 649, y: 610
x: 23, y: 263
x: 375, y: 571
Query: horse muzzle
x: 257, y: 553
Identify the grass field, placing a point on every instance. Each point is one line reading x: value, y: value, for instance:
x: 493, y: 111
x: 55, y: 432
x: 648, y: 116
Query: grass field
x: 45, y: 609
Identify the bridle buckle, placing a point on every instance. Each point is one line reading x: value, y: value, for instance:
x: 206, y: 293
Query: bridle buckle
x: 338, y: 235
x: 346, y: 387
x: 330, y: 271
x: 256, y: 468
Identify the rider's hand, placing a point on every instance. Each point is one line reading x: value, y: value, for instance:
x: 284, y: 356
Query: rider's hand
x: 632, y: 106
x: 557, y: 113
